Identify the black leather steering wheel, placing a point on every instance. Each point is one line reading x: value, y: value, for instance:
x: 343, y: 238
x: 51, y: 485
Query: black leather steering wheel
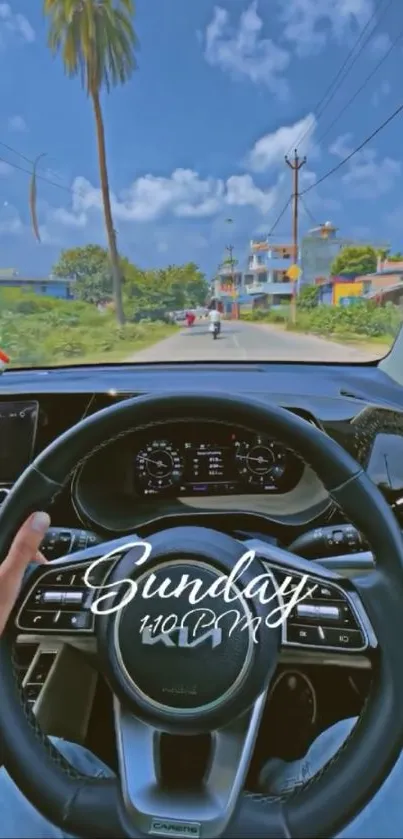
x: 225, y: 684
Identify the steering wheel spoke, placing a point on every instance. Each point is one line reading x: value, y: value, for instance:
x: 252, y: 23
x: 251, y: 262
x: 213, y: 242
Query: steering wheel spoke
x: 154, y: 805
x: 56, y: 599
x: 327, y: 615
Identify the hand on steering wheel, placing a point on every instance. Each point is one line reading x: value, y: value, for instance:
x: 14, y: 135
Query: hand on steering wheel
x: 24, y: 549
x: 191, y: 688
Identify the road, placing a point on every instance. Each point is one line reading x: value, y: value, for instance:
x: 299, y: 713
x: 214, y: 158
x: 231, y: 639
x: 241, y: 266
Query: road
x: 242, y: 341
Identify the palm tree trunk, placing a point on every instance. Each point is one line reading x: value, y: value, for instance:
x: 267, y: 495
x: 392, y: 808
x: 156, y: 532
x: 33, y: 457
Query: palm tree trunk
x: 110, y: 230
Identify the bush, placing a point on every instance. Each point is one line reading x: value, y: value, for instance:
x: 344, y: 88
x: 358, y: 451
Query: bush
x: 363, y: 318
x: 37, y: 331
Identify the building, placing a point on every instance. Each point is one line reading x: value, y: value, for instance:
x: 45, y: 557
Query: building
x: 56, y: 287
x: 385, y: 283
x: 266, y: 273
x: 318, y: 250
x: 227, y: 288
x: 339, y: 291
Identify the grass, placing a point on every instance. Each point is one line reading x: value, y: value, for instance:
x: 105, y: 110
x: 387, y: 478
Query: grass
x: 336, y: 324
x: 127, y: 348
x: 40, y: 340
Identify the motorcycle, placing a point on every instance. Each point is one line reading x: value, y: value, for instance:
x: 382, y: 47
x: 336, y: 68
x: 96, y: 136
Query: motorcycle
x: 215, y: 329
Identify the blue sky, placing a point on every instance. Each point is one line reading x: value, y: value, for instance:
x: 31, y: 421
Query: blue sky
x: 222, y: 92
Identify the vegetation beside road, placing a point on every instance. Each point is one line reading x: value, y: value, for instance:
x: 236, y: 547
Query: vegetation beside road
x: 37, y: 331
x: 362, y: 321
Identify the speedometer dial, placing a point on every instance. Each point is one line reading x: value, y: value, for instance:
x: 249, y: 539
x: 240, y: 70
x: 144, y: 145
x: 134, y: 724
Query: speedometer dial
x: 261, y: 463
x: 158, y: 466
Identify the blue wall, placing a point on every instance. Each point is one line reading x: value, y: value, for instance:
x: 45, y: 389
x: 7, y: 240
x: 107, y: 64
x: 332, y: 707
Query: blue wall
x: 46, y: 287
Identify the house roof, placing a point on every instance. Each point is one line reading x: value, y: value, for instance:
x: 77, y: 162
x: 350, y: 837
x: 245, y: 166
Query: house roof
x: 34, y: 280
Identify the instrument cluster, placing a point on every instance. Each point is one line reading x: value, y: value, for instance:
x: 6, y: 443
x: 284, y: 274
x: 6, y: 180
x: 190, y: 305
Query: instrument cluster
x: 219, y: 461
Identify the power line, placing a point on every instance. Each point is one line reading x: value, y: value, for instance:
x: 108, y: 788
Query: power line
x: 353, y: 153
x: 362, y: 86
x: 307, y: 211
x: 323, y: 104
x: 279, y: 217
x: 41, y: 177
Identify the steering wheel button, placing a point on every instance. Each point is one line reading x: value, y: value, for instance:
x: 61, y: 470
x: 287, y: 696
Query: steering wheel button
x: 74, y: 621
x: 348, y: 639
x: 37, y: 620
x: 52, y: 597
x: 303, y: 635
x: 73, y: 597
x: 62, y: 578
x: 327, y: 613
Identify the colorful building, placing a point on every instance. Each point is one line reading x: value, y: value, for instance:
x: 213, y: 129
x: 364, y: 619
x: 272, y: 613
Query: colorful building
x: 57, y: 287
x: 319, y: 248
x: 266, y: 274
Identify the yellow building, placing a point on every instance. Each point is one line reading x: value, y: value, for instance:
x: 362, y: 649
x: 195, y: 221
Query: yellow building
x: 341, y: 290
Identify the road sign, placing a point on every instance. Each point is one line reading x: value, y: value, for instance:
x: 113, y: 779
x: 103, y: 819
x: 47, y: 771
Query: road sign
x: 294, y: 272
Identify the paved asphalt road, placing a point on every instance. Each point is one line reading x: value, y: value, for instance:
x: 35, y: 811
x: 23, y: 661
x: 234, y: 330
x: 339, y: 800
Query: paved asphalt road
x: 242, y: 341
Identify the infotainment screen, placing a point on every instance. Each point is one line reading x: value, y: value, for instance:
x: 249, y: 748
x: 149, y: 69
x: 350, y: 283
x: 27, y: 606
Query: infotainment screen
x: 18, y: 422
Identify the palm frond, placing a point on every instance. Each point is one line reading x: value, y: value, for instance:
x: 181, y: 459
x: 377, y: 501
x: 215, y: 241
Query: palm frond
x: 95, y: 38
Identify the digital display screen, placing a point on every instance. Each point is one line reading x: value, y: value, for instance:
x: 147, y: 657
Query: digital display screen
x: 225, y: 462
x: 207, y: 463
x: 18, y: 422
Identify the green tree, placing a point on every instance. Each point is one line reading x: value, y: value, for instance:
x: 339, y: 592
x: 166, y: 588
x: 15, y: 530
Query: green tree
x: 79, y: 263
x: 97, y: 41
x: 308, y: 297
x: 358, y: 260
x: 396, y: 257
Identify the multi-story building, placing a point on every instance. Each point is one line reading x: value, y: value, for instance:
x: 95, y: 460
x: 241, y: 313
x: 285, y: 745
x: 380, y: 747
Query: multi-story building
x: 319, y: 248
x: 266, y: 274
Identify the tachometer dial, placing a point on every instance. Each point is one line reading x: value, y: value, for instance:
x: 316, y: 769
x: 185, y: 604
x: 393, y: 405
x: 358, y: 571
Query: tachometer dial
x: 261, y: 463
x: 158, y: 466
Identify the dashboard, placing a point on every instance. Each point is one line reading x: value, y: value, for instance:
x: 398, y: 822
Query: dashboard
x: 212, y: 470
x: 214, y: 460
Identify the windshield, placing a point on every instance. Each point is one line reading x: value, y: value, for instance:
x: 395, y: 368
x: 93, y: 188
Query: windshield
x: 207, y: 181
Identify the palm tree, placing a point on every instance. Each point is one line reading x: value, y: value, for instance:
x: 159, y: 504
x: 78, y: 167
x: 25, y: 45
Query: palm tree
x: 96, y: 40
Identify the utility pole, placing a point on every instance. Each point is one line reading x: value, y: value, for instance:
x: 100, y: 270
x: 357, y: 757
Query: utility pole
x: 295, y: 165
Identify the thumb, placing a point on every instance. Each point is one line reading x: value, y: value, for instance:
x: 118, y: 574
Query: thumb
x: 24, y: 549
x: 26, y: 543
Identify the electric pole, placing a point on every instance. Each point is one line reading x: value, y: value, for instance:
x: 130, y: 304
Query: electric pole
x: 295, y: 165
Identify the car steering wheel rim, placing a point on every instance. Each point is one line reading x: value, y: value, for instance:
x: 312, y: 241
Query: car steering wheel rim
x: 93, y: 807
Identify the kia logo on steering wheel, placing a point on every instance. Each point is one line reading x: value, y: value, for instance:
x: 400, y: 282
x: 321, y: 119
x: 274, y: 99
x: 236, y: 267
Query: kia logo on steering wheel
x: 182, y: 638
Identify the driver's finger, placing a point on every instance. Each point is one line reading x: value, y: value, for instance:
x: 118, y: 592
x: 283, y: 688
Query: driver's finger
x: 24, y: 549
x: 26, y: 544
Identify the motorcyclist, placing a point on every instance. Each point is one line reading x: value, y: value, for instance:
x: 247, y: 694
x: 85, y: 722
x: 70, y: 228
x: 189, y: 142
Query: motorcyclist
x: 215, y: 319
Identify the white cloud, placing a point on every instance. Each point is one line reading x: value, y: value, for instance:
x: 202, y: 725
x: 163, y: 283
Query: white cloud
x: 381, y: 93
x: 244, y: 53
x: 367, y: 175
x: 342, y: 147
x: 370, y: 177
x: 243, y: 192
x: 14, y: 24
x: 310, y: 24
x: 184, y: 194
x: 17, y: 123
x: 270, y: 149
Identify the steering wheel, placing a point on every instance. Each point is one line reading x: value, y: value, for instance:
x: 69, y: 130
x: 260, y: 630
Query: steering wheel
x: 208, y: 679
